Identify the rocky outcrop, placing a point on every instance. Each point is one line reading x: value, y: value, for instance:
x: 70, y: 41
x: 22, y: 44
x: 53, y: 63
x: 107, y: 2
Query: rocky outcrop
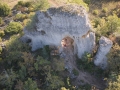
x: 57, y: 23
x: 104, y: 47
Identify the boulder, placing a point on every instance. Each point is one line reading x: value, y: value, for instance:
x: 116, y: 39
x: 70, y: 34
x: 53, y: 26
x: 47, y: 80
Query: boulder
x: 51, y: 26
x: 100, y: 59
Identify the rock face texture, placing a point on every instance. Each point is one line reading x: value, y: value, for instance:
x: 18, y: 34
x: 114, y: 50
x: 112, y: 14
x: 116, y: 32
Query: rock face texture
x: 57, y: 23
x: 104, y: 47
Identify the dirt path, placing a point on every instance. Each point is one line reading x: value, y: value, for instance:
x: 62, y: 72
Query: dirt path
x: 83, y: 76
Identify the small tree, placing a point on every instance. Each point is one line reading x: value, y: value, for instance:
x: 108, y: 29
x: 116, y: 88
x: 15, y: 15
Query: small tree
x: 0, y: 49
x: 114, y: 59
x: 41, y: 5
x: 13, y: 28
x: 1, y: 21
x: 7, y: 78
x: 108, y: 26
x: 2, y: 33
x: 114, y: 85
x: 30, y: 85
x: 4, y: 10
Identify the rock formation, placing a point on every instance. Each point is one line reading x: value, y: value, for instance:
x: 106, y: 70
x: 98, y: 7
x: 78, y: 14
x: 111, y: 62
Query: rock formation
x: 104, y: 46
x: 68, y: 28
x: 56, y: 24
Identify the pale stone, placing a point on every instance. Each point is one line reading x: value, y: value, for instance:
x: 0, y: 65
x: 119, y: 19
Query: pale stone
x: 105, y: 45
x: 57, y: 23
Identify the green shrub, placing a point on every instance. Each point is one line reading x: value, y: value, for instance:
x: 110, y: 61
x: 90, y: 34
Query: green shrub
x: 4, y: 10
x: 13, y: 28
x: 24, y: 4
x: 21, y: 3
x: 8, y: 78
x: 105, y: 10
x: 30, y: 85
x: 30, y: 9
x: 20, y: 17
x: 2, y: 33
x: 80, y: 2
x: 1, y: 21
x: 114, y: 59
x: 95, y: 12
x: 25, y: 22
x: 113, y: 23
x: 41, y: 5
x: 114, y: 85
x: 108, y: 26
x: 87, y: 1
x: 18, y: 46
x: 28, y: 4
x: 96, y: 22
x: 0, y: 49
x: 0, y: 39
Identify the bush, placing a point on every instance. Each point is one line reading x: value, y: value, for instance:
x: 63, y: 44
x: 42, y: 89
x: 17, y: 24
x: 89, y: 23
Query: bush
x: 20, y: 17
x: 4, y: 10
x: 105, y: 10
x: 87, y: 1
x: 2, y: 33
x: 30, y: 9
x: 108, y: 26
x: 0, y: 49
x: 25, y: 22
x: 0, y: 39
x: 13, y: 28
x: 24, y: 4
x: 113, y: 24
x: 41, y: 5
x: 114, y: 59
x: 80, y: 2
x: 30, y: 85
x: 1, y: 21
x: 28, y: 4
x: 95, y: 12
x: 21, y: 3
x: 114, y: 85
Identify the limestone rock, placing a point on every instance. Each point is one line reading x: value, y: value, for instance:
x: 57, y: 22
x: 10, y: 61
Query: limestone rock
x: 104, y: 47
x: 51, y: 26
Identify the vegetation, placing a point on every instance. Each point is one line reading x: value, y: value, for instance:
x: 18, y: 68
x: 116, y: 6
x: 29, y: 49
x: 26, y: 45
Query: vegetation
x: 4, y: 10
x: 105, y: 10
x: 20, y: 17
x: 1, y: 21
x: 80, y: 2
x: 95, y: 12
x: 13, y: 28
x: 114, y: 68
x: 2, y: 33
x: 21, y: 69
x: 0, y: 49
x: 33, y: 5
x: 107, y: 26
x: 41, y: 5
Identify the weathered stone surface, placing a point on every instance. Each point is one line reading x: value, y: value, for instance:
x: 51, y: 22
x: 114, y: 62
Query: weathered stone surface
x: 104, y: 47
x: 57, y: 23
